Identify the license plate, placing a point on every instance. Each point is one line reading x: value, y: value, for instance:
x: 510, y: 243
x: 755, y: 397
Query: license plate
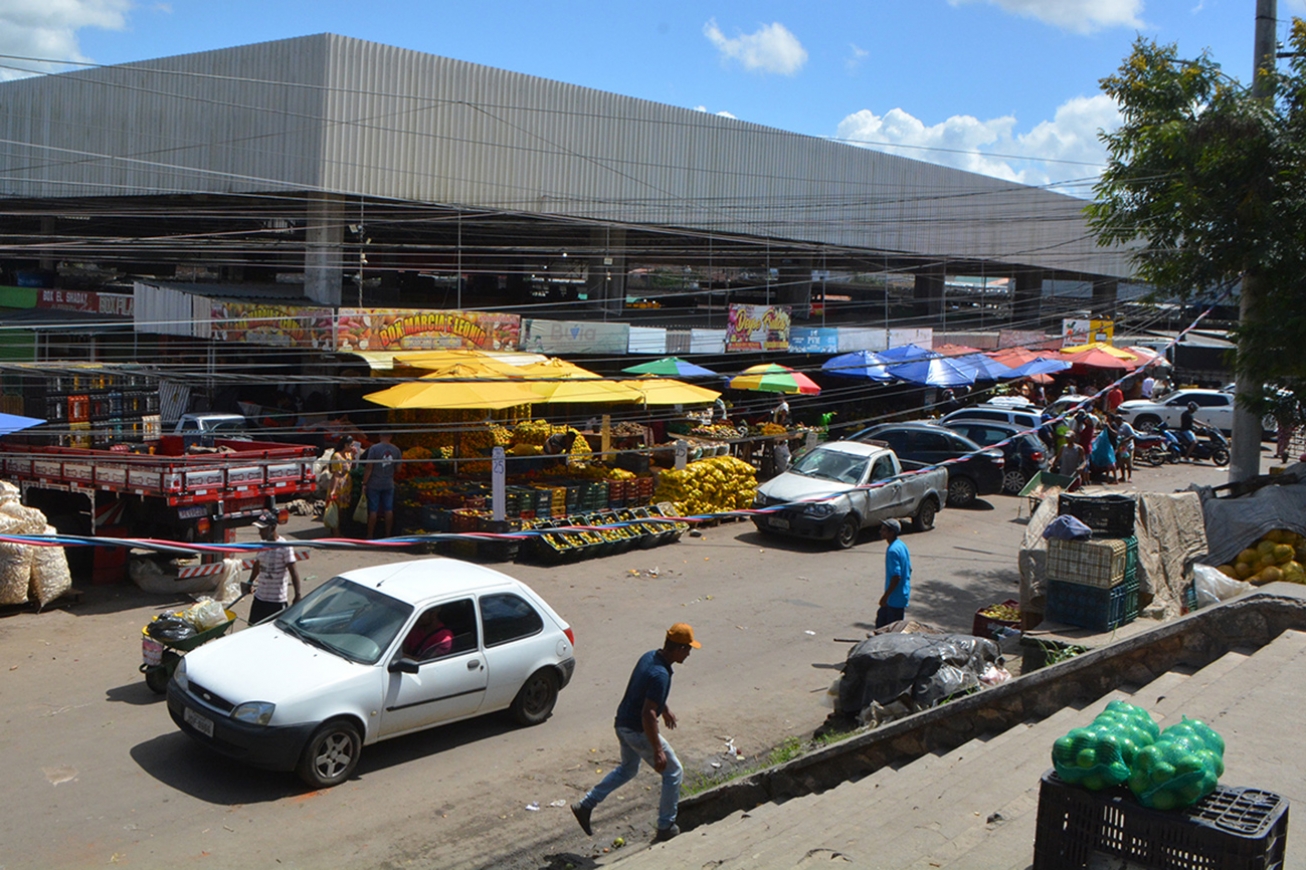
x: 202, y: 724
x: 779, y: 523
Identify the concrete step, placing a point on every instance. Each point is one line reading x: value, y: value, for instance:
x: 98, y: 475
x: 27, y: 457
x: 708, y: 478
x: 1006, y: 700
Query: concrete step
x: 1240, y: 683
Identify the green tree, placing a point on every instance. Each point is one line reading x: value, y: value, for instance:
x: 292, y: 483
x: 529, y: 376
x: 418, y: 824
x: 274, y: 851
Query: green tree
x: 1208, y: 184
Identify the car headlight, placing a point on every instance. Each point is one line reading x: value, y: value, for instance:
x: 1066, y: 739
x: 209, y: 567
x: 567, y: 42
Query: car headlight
x: 254, y: 712
x: 759, y: 500
x: 183, y: 682
x: 818, y: 510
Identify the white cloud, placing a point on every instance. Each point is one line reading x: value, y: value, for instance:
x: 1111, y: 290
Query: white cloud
x: 993, y: 147
x: 772, y: 48
x: 855, y: 59
x: 1079, y: 16
x: 721, y: 114
x: 48, y: 29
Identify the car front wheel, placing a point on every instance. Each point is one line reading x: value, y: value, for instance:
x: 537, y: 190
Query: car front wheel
x: 331, y: 754
x: 846, y: 535
x: 1147, y: 423
x: 961, y: 491
x: 535, y: 699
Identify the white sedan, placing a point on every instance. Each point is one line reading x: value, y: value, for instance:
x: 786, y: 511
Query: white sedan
x: 1214, y: 408
x: 369, y: 655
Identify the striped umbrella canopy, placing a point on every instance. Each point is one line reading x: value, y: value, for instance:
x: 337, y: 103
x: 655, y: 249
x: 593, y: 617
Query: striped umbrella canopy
x: 673, y: 366
x: 941, y: 371
x: 858, y: 364
x: 773, y: 378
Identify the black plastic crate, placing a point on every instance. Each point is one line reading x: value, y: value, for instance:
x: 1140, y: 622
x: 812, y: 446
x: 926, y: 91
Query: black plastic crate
x: 1109, y: 516
x: 1229, y: 829
x: 1092, y: 606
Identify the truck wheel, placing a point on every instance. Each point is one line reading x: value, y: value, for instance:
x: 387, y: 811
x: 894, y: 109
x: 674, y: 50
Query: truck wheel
x: 846, y: 535
x: 924, y: 519
x: 961, y: 491
x: 330, y: 755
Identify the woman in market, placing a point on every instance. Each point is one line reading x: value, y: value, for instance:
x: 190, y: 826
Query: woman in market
x: 341, y: 485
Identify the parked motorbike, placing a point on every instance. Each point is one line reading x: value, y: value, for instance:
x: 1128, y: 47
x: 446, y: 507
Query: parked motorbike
x: 1211, y: 445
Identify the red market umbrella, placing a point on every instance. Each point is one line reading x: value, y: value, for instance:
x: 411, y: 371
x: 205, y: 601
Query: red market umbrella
x: 955, y: 350
x: 1095, y: 358
x: 773, y: 378
x: 1013, y: 357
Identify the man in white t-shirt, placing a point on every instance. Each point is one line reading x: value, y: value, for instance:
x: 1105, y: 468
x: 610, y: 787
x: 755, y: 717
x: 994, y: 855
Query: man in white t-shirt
x: 1149, y: 384
x: 268, y: 578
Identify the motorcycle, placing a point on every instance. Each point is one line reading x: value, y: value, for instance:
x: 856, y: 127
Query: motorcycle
x: 1211, y: 445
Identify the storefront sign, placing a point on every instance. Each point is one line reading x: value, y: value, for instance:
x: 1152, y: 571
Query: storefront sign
x: 1075, y: 331
x: 758, y: 327
x: 271, y: 325
x: 407, y: 329
x: 570, y: 336
x: 805, y: 339
x: 89, y: 302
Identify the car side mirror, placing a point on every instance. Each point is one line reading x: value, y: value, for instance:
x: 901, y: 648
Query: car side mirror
x: 403, y: 665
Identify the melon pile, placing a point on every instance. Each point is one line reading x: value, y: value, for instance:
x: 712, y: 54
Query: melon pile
x: 1278, y: 555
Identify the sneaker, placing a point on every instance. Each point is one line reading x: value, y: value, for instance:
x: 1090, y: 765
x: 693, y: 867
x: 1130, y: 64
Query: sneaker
x: 665, y: 834
x: 582, y: 814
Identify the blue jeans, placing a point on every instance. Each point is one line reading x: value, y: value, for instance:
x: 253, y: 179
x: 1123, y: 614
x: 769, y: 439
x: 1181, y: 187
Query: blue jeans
x: 634, y: 746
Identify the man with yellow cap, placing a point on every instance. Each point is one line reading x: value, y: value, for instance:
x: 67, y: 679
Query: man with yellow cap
x: 637, y: 732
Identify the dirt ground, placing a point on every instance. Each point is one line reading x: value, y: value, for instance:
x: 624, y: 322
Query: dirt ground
x: 96, y: 773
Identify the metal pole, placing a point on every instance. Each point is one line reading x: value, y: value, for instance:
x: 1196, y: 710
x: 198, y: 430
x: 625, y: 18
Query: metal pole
x: 1245, y: 449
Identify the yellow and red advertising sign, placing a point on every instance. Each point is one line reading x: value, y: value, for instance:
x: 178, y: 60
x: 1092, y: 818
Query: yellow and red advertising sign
x: 758, y: 327
x: 272, y: 325
x: 411, y: 329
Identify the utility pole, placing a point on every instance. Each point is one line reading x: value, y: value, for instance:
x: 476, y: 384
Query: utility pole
x: 1245, y: 450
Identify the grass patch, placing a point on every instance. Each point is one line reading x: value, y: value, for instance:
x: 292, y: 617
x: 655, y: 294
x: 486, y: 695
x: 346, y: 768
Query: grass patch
x: 787, y: 750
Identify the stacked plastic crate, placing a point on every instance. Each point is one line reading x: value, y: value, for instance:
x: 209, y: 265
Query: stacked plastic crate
x: 1094, y: 583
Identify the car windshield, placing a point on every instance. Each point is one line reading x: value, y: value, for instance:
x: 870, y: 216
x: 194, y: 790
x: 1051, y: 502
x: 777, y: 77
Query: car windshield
x: 348, y: 619
x: 831, y: 465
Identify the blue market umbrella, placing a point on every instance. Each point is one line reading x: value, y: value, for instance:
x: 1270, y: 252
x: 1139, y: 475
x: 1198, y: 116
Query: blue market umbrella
x: 938, y: 372
x: 858, y: 364
x: 986, y: 368
x: 10, y: 423
x: 673, y: 366
x: 1039, y: 367
x: 904, y: 353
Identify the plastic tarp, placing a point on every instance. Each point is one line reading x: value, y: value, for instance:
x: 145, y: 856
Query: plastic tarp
x: 1233, y: 524
x: 919, y: 669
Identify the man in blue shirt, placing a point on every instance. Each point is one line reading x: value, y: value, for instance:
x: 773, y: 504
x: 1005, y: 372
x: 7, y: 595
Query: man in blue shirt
x: 637, y: 732
x: 897, y: 576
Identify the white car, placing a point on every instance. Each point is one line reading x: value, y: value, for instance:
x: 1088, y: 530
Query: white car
x: 1214, y: 408
x: 308, y: 689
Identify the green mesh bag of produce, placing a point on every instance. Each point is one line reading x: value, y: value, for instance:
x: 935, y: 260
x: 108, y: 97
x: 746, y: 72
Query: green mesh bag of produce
x: 1183, y: 766
x: 1100, y: 755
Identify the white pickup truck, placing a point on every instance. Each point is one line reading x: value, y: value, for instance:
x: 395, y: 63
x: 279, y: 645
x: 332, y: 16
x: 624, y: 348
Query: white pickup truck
x: 828, y: 498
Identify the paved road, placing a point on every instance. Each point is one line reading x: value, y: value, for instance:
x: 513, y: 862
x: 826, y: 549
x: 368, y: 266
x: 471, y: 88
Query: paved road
x: 96, y: 774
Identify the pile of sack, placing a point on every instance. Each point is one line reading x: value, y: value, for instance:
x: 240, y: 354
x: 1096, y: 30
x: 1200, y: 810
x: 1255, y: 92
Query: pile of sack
x: 29, y: 572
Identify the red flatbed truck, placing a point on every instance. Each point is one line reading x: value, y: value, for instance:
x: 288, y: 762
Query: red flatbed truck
x: 157, y: 489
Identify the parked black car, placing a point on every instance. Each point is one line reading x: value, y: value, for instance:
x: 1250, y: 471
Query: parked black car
x: 922, y: 444
x: 1025, y: 455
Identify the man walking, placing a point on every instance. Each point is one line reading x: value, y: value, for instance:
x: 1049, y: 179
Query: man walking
x: 897, y: 576
x: 268, y: 577
x: 637, y: 732
x: 379, y: 483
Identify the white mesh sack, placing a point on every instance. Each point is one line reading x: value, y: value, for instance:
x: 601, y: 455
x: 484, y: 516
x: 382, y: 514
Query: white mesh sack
x: 50, y: 575
x: 25, y: 520
x: 15, y: 573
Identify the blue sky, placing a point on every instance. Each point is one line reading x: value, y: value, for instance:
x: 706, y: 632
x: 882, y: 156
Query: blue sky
x: 1005, y: 87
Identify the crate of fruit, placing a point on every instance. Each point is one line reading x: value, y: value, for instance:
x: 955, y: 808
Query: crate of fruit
x: 990, y: 619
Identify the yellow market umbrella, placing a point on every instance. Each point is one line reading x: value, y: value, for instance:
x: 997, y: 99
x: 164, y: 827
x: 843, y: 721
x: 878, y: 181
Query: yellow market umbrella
x: 444, y: 392
x: 553, y: 368
x: 668, y: 391
x: 1102, y: 346
x: 581, y: 390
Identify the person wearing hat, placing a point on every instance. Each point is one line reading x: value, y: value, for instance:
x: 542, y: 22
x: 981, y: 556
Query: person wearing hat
x: 897, y: 576
x: 636, y: 724
x: 268, y: 577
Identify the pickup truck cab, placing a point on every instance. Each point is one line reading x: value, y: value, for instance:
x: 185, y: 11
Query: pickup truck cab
x: 829, y: 494
x: 213, y: 425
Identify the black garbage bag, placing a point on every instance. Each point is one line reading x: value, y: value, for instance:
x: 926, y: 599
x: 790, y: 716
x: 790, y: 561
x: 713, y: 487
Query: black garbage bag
x: 918, y: 669
x: 170, y: 628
